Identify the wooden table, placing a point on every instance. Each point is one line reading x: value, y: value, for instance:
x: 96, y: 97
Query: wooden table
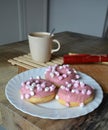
x: 14, y: 119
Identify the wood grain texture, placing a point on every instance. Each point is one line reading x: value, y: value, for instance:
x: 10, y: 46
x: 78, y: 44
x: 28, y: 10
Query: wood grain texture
x: 96, y: 120
x: 70, y: 42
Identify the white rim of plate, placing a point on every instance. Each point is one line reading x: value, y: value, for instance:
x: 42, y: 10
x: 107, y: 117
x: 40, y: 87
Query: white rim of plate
x: 44, y: 110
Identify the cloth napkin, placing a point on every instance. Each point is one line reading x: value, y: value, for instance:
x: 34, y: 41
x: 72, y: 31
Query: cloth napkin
x: 84, y: 58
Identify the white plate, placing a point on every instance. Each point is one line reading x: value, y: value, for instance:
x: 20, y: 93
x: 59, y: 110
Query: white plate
x: 50, y: 110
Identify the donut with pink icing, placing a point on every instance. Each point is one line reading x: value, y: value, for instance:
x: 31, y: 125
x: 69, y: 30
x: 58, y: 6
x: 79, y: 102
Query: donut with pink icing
x: 60, y: 74
x: 76, y: 93
x: 37, y: 90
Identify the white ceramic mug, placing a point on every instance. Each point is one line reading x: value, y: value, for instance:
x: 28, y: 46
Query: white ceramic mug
x: 40, y: 44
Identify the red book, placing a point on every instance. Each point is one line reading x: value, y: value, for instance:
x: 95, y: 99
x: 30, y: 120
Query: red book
x: 84, y: 58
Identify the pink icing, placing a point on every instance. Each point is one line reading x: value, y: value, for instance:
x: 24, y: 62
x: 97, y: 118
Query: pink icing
x: 75, y: 94
x: 60, y: 74
x: 37, y: 88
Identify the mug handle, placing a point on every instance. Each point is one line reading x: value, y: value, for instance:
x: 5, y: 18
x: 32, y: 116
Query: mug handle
x: 58, y: 48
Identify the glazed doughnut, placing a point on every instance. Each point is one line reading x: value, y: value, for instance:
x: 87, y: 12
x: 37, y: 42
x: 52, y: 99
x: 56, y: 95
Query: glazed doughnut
x: 37, y: 90
x: 60, y: 74
x: 76, y: 93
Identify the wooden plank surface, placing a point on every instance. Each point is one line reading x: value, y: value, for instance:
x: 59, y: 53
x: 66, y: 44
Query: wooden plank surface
x: 17, y: 120
x: 71, y: 42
